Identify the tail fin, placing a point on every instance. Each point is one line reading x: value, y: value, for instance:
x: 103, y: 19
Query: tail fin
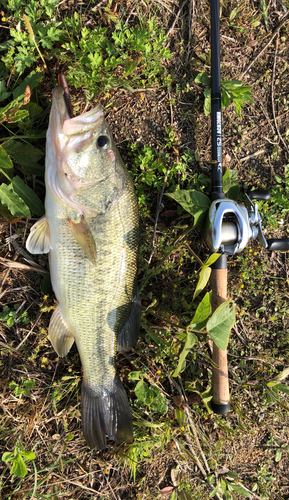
x: 105, y: 413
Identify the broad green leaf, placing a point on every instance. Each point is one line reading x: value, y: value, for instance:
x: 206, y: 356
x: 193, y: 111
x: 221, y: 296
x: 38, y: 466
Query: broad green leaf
x: 191, y: 340
x: 7, y: 215
x: 230, y: 184
x: 212, y: 259
x: 28, y: 196
x: 203, y: 78
x: 19, y: 467
x: 33, y: 109
x: 203, y: 280
x: 3, y: 94
x: 180, y: 416
x: 220, y: 324
x: 132, y: 67
x: 11, y: 200
x: 136, y: 375
x: 159, y: 404
x: 28, y: 455
x: 8, y: 456
x: 240, y: 490
x: 5, y: 161
x: 203, y: 310
x: 196, y: 203
x: 283, y: 388
x: 24, y: 154
x: 32, y: 80
x: 142, y: 392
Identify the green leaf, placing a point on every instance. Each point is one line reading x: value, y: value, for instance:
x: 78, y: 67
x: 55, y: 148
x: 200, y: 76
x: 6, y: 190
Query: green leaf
x: 278, y: 455
x: 11, y: 200
x: 190, y: 341
x: 211, y: 259
x: 5, y: 161
x: 282, y: 387
x: 24, y: 154
x: 203, y: 311
x: 196, y: 203
x: 33, y: 109
x: 207, y: 102
x: 145, y: 423
x: 142, y: 392
x: 28, y: 196
x: 233, y: 13
x: 32, y: 80
x: 8, y: 456
x: 203, y: 280
x: 136, y: 375
x: 180, y: 416
x: 220, y: 324
x: 203, y: 78
x: 230, y: 184
x: 28, y: 455
x: 132, y: 67
x: 19, y: 467
x: 240, y: 490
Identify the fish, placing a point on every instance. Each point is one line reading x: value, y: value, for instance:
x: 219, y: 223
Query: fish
x: 90, y: 231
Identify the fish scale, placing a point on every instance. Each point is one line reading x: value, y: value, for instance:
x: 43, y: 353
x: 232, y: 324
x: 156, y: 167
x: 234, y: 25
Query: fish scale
x: 91, y: 230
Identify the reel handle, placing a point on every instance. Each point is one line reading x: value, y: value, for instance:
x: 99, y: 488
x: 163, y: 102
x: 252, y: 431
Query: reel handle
x: 259, y: 195
x: 220, y: 383
x: 281, y: 245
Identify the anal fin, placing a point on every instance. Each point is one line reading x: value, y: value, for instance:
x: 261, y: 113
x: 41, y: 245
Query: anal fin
x: 59, y: 335
x: 128, y: 335
x: 38, y: 240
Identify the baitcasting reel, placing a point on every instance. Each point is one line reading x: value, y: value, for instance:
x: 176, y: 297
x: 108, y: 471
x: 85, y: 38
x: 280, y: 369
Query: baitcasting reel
x: 230, y: 225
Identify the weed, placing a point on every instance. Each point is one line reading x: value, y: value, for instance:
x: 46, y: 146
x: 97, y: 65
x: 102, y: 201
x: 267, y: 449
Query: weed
x: 18, y: 458
x: 9, y: 316
x: 127, y: 57
x: 231, y: 92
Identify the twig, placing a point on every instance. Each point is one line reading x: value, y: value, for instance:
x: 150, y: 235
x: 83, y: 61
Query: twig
x: 157, y: 215
x: 174, y: 23
x: 29, y: 333
x: 164, y: 5
x: 6, y: 276
x: 19, y: 265
x: 259, y: 152
x: 283, y: 21
x: 272, y: 97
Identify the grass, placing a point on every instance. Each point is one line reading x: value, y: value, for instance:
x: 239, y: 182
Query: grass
x: 148, y: 79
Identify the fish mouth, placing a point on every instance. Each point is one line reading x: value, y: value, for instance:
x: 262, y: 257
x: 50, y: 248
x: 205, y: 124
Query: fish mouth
x: 73, y: 133
x: 79, y: 125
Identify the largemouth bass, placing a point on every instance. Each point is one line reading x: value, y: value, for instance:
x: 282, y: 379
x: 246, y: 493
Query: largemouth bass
x: 91, y: 231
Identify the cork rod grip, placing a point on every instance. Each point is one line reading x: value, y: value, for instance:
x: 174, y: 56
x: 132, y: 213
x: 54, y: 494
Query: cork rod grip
x: 220, y: 382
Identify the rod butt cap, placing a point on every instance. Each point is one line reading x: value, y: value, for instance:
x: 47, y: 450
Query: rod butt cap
x: 220, y: 409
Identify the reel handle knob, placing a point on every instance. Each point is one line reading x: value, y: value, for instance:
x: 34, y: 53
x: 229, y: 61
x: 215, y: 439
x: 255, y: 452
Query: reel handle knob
x: 281, y: 245
x: 259, y: 195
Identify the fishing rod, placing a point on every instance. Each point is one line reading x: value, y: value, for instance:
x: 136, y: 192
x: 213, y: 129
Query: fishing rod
x: 230, y: 225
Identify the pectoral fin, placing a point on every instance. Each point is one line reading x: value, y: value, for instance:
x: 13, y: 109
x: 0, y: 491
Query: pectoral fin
x: 38, y: 240
x: 59, y: 335
x: 84, y: 238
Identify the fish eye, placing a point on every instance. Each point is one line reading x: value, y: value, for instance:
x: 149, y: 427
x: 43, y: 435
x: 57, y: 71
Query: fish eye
x: 102, y: 141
